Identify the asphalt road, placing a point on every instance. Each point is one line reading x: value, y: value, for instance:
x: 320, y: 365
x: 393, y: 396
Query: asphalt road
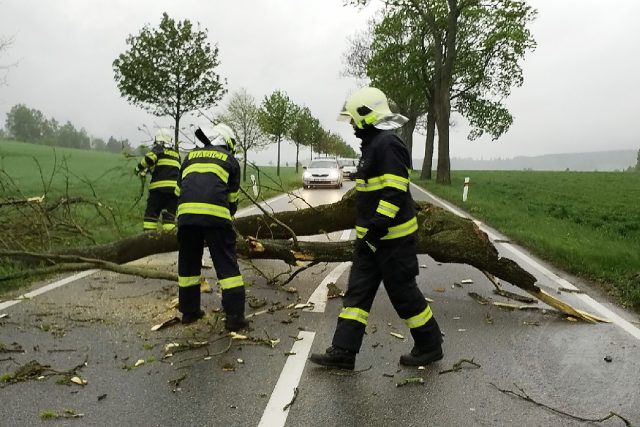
x: 106, y: 319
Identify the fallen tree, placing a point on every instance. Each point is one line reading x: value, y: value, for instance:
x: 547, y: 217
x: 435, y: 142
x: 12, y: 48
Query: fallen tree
x: 445, y: 237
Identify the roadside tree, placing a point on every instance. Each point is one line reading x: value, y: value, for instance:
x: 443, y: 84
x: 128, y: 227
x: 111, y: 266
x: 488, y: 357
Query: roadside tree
x: 388, y: 54
x: 169, y: 70
x: 477, y: 47
x: 241, y: 113
x: 302, y: 131
x: 276, y: 117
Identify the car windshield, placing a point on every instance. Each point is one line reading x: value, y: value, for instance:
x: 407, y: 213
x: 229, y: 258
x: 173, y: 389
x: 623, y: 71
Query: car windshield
x: 317, y: 164
x: 347, y: 162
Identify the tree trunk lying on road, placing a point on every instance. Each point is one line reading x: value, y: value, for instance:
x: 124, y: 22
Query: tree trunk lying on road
x: 445, y: 237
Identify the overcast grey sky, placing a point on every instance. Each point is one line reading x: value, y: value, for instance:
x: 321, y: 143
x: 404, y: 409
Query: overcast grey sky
x: 581, y: 88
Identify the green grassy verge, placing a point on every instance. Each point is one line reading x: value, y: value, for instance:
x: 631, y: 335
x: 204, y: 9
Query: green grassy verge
x: 29, y: 170
x: 586, y: 223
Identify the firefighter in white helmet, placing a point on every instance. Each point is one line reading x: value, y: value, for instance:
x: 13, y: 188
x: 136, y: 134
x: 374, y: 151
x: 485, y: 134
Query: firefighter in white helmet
x: 386, y: 227
x: 163, y: 161
x: 208, y: 190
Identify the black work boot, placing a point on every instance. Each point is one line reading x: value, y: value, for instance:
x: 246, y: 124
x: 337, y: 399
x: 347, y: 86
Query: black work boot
x: 421, y: 357
x: 235, y: 322
x: 192, y: 317
x: 335, y: 357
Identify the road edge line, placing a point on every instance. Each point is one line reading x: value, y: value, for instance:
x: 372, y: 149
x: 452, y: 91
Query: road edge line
x: 613, y: 317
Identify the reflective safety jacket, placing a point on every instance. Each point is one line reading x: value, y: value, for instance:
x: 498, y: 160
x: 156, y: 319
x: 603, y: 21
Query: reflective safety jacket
x: 164, y: 164
x: 208, y: 187
x: 383, y: 199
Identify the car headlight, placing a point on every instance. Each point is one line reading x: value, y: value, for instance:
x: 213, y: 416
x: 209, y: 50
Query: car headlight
x: 306, y: 175
x: 334, y: 174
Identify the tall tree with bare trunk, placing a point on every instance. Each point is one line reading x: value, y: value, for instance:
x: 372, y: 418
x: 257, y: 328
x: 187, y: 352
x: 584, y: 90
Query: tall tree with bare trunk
x: 476, y: 47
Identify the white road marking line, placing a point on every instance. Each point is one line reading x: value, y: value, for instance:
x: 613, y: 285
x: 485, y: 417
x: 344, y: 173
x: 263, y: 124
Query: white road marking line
x: 604, y: 311
x: 47, y: 288
x: 319, y: 296
x: 274, y: 415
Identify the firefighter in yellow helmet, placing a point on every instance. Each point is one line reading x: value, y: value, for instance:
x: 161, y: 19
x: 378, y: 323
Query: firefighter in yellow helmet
x: 208, y: 190
x: 163, y: 161
x: 386, y: 241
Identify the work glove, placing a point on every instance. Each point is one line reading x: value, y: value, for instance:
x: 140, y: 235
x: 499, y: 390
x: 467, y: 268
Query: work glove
x: 371, y: 239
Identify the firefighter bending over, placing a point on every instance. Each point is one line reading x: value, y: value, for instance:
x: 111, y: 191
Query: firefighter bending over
x: 164, y: 163
x: 386, y: 228
x: 208, y: 189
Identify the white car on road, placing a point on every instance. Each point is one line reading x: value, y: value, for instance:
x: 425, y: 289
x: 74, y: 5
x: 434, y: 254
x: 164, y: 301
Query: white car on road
x: 349, y: 168
x: 322, y: 173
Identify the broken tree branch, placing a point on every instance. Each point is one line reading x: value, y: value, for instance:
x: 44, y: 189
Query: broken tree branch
x: 524, y: 396
x: 80, y: 261
x: 442, y: 235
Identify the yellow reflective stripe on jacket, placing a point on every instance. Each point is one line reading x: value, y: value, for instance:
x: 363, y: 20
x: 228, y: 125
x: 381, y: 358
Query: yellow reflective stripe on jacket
x: 233, y: 197
x: 186, y: 281
x: 204, y: 209
x: 394, y: 232
x: 387, y: 209
x: 150, y: 155
x: 379, y: 182
x: 354, y: 313
x: 168, y: 162
x: 162, y: 184
x: 419, y: 319
x: 207, y: 168
x: 177, y: 191
x: 402, y: 230
x: 172, y: 153
x: 372, y: 184
x: 168, y: 227
x: 395, y: 181
x: 148, y: 225
x: 231, y: 282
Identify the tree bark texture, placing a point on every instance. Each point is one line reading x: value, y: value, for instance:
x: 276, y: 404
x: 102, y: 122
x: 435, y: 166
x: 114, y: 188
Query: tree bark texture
x: 427, y: 163
x: 442, y: 235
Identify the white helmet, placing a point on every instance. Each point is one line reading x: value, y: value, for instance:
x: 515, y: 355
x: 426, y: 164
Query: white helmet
x: 163, y: 136
x: 369, y: 107
x: 225, y: 133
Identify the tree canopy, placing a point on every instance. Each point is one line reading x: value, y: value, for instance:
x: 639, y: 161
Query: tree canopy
x: 471, y: 53
x: 389, y: 56
x: 241, y: 114
x: 30, y: 125
x: 170, y: 70
x: 276, y: 117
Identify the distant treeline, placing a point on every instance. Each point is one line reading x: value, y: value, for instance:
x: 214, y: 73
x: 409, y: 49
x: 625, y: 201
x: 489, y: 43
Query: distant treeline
x: 30, y: 125
x: 613, y: 160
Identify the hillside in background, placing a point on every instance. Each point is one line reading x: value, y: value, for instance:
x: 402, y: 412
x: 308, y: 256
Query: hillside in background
x: 594, y: 161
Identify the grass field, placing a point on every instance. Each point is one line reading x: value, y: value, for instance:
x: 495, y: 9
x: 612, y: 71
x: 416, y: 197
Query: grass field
x: 587, y: 223
x: 29, y: 170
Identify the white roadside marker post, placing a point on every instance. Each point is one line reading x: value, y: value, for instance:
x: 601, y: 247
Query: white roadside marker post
x: 255, y: 186
x: 465, y: 189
